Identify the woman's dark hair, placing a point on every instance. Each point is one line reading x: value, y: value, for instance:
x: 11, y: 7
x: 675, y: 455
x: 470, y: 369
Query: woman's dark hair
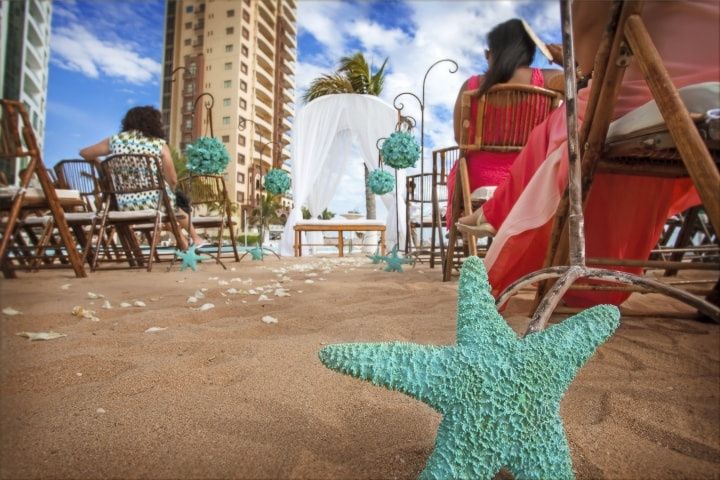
x: 511, y: 47
x: 147, y: 120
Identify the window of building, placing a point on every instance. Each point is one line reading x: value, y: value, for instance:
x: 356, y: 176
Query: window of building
x: 229, y: 48
x: 240, y: 178
x: 243, y: 50
x: 231, y: 13
x: 190, y: 88
x: 192, y: 69
x: 243, y: 103
x: 228, y: 65
x: 227, y: 83
x: 189, y: 9
x: 229, y: 30
x: 188, y: 106
x: 243, y: 67
x: 246, y: 16
x: 241, y: 159
x: 241, y: 197
x: 226, y: 138
x: 243, y: 85
x: 226, y: 120
x: 241, y: 140
x: 209, y: 50
x: 245, y: 33
x: 188, y: 42
x: 188, y: 25
x: 188, y: 124
x: 226, y: 102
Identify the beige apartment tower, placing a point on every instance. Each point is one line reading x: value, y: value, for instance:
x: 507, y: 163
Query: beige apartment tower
x: 241, y: 54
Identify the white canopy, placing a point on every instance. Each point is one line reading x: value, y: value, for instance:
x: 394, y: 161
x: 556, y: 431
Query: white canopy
x: 323, y: 133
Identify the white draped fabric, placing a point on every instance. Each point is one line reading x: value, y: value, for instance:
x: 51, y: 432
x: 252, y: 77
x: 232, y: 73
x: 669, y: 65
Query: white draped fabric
x: 323, y: 134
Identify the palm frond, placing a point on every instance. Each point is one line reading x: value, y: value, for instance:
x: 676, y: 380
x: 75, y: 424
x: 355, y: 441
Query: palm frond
x: 327, y: 85
x: 377, y: 80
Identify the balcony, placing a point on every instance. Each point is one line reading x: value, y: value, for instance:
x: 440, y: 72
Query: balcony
x: 37, y: 13
x: 32, y: 58
x: 31, y: 83
x: 264, y: 97
x: 34, y: 33
x: 265, y: 15
x: 264, y: 80
x: 288, y: 14
x: 264, y: 114
x: 266, y: 32
x: 290, y: 38
x: 265, y: 48
x: 265, y: 63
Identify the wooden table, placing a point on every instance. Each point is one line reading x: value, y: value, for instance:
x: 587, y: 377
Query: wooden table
x: 339, y: 227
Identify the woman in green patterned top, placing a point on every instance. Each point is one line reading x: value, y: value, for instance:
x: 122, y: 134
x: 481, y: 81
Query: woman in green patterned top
x: 142, y: 133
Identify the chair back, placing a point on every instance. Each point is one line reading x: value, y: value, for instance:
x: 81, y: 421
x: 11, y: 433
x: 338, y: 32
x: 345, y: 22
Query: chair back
x: 506, y: 115
x: 17, y: 139
x: 208, y: 190
x: 443, y: 161
x: 80, y: 175
x: 127, y: 174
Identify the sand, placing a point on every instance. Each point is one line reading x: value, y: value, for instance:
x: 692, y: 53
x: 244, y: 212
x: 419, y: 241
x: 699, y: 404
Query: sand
x: 221, y: 394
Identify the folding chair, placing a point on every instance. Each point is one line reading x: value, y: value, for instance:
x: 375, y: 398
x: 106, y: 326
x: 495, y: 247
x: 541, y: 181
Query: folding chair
x: 506, y: 115
x: 18, y: 142
x: 416, y: 213
x: 125, y: 178
x: 625, y: 36
x: 443, y: 160
x: 209, y: 191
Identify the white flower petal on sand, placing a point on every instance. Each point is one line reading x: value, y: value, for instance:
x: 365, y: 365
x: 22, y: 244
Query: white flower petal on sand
x: 252, y: 292
x: 94, y: 296
x: 223, y: 283
x: 236, y: 279
x: 65, y: 286
x: 100, y: 411
x: 9, y: 311
x: 199, y: 294
x: 107, y: 305
x: 203, y: 289
x: 309, y: 281
x: 269, y: 320
x: 192, y: 300
x: 125, y: 305
x: 311, y: 274
x: 205, y: 307
x: 231, y: 291
x: 155, y: 329
x: 139, y: 303
x: 299, y: 291
x: 81, y: 312
x: 212, y: 279
x: 264, y: 298
x: 280, y: 292
x: 41, y: 335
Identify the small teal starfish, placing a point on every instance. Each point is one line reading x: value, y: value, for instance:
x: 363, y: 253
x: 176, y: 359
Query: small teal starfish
x: 395, y: 261
x: 499, y: 395
x: 256, y: 253
x: 376, y: 257
x: 190, y: 258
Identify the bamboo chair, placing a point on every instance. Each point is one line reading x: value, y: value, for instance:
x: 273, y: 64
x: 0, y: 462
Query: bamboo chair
x: 413, y: 191
x: 506, y: 115
x: 210, y: 192
x: 127, y: 174
x: 443, y: 160
x: 625, y: 38
x: 18, y: 142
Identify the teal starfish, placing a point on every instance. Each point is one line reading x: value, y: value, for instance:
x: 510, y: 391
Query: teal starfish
x: 256, y: 253
x: 395, y: 261
x: 190, y: 258
x: 376, y: 257
x: 499, y: 395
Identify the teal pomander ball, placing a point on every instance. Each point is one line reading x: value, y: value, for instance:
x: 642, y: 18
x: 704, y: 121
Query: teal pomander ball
x: 381, y: 182
x: 400, y: 150
x: 277, y: 181
x: 207, y: 156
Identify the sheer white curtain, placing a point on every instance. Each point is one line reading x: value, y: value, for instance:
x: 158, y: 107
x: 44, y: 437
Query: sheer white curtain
x: 323, y: 133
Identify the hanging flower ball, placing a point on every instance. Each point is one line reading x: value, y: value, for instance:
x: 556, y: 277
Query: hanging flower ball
x: 381, y: 182
x: 400, y: 150
x: 207, y: 156
x: 277, y: 181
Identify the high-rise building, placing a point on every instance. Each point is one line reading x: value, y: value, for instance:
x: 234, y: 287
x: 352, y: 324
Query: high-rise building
x: 237, y: 55
x: 24, y: 55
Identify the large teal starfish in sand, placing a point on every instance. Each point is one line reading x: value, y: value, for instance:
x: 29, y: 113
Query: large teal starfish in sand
x: 256, y: 253
x: 499, y: 395
x: 395, y: 261
x: 190, y: 258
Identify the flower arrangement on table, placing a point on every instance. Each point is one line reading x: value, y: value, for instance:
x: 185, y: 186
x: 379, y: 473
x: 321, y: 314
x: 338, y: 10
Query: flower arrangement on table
x: 207, y: 156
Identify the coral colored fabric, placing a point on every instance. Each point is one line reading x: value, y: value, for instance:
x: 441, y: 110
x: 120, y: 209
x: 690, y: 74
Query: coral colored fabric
x: 624, y: 215
x: 487, y: 168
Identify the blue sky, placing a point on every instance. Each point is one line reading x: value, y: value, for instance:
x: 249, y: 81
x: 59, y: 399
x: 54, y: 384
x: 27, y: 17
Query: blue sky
x: 106, y: 57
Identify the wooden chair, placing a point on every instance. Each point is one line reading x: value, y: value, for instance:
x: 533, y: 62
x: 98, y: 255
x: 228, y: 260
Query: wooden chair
x: 18, y: 143
x: 416, y: 213
x: 125, y: 175
x: 589, y: 152
x: 210, y: 193
x: 506, y: 115
x: 443, y: 160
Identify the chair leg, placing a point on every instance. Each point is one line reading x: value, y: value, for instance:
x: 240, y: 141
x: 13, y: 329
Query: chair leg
x: 233, y: 239
x: 153, y: 242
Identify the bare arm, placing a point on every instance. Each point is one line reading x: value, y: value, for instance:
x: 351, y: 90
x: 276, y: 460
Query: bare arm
x: 168, y: 167
x: 93, y: 152
x: 589, y: 22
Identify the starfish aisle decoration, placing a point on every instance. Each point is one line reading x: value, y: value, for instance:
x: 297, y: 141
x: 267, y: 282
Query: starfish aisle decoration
x: 190, y: 258
x: 256, y: 253
x: 499, y: 395
x: 395, y: 261
x: 376, y: 257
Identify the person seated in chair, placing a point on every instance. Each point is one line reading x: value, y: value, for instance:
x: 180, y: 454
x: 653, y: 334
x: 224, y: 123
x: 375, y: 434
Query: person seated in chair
x: 624, y: 214
x: 142, y: 133
x: 511, y: 48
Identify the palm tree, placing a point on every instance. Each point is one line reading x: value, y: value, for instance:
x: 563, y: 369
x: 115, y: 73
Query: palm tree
x: 267, y: 212
x: 354, y: 75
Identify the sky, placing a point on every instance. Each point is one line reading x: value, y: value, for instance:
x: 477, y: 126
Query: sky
x: 106, y: 57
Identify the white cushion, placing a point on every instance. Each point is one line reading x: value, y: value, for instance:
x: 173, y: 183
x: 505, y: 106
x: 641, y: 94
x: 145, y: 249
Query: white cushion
x: 34, y: 193
x: 333, y: 222
x: 36, y: 221
x: 132, y: 214
x: 698, y: 98
x: 80, y: 216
